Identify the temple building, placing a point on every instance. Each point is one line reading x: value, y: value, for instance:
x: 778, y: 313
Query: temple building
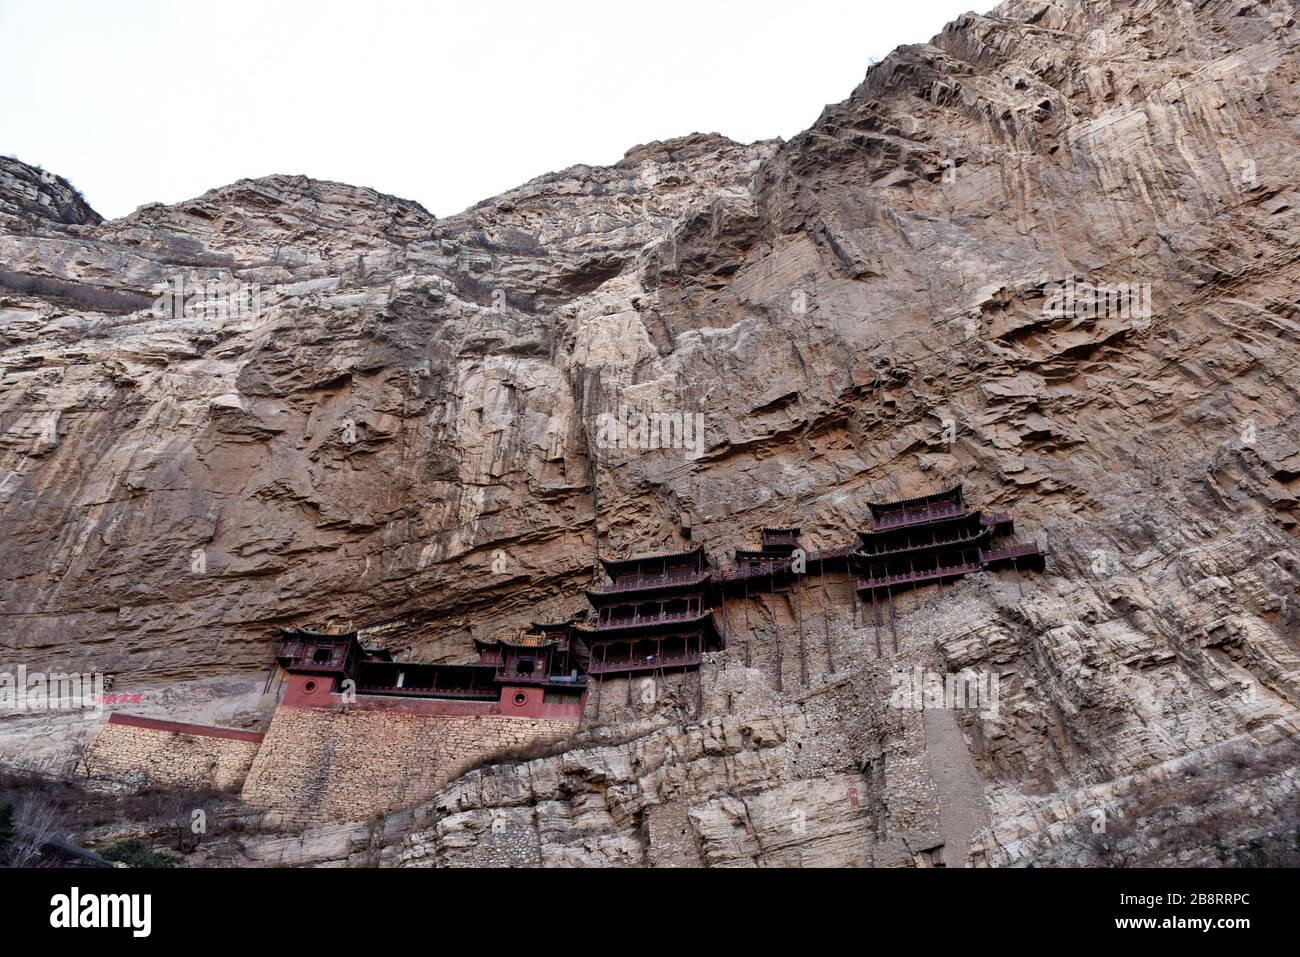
x: 655, y: 613
x: 548, y: 655
x: 771, y: 558
x: 541, y: 663
x: 653, y: 616
x: 355, y: 733
x: 932, y: 538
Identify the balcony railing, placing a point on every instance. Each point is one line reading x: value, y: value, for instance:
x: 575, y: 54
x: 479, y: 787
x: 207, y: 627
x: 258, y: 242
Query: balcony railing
x: 997, y: 518
x: 1011, y: 551
x: 915, y: 516
x: 567, y: 681
x: 906, y: 578
x: 782, y: 566
x: 839, y: 551
x: 652, y: 581
x: 780, y: 538
x: 473, y: 694
x: 756, y: 570
x: 923, y: 546
x: 635, y: 620
x: 645, y: 663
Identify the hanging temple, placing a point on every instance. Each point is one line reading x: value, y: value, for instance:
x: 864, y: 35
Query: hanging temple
x: 655, y: 615
x: 659, y: 612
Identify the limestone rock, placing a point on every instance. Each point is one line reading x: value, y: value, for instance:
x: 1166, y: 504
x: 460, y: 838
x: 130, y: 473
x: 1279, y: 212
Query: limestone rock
x: 402, y: 435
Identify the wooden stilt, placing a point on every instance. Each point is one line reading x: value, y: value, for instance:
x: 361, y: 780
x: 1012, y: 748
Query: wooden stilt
x: 875, y: 617
x: 798, y: 617
x: 826, y: 622
x: 893, y: 618
x: 776, y: 649
x: 748, y: 657
x: 699, y: 692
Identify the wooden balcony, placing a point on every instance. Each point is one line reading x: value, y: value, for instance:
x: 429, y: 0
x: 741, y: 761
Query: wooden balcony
x: 914, y: 578
x: 916, y: 516
x: 637, y: 621
x: 645, y: 663
x: 460, y: 694
x: 782, y: 566
x: 1011, y: 553
x: 557, y: 681
x: 755, y: 570
x: 642, y: 582
x: 829, y: 554
x: 956, y: 543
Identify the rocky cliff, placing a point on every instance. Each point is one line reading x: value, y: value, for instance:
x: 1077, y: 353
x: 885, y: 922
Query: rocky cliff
x: 403, y: 435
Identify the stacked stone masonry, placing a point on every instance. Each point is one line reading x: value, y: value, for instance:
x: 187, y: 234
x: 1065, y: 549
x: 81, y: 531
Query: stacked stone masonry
x: 319, y: 765
x: 152, y: 756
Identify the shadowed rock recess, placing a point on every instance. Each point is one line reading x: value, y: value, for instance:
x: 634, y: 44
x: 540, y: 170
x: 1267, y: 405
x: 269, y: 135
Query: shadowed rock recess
x: 403, y: 437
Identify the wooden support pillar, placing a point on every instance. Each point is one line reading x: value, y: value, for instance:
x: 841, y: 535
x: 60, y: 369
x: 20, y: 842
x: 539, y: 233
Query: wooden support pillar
x: 748, y: 633
x: 875, y: 617
x: 826, y: 622
x: 893, y: 618
x: 798, y: 617
x: 776, y: 650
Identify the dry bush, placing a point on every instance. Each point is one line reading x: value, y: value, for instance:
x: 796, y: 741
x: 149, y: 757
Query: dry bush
x: 521, y: 755
x: 66, y: 806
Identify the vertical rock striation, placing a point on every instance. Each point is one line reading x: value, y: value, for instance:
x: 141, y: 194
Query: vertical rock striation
x: 405, y: 436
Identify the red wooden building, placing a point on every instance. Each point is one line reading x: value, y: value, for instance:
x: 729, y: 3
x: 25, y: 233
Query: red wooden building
x: 548, y: 654
x: 653, y: 615
x: 934, y: 538
x: 545, y: 657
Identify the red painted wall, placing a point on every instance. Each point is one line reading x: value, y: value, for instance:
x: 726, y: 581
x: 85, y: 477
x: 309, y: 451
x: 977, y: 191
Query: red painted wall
x: 203, y: 731
x: 515, y: 702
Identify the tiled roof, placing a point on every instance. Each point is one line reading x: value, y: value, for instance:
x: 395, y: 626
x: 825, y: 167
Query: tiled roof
x: 517, y: 641
x: 955, y: 491
x: 326, y: 632
x: 645, y: 556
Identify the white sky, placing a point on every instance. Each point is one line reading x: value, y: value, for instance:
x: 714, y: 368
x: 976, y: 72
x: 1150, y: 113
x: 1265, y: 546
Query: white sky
x: 443, y: 103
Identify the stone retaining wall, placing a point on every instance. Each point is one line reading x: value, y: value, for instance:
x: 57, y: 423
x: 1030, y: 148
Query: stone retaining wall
x: 163, y: 752
x: 318, y: 765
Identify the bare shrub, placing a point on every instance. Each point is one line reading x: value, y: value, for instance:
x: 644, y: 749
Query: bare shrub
x: 33, y: 818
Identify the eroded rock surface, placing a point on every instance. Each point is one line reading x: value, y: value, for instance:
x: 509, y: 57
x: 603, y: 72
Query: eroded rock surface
x: 404, y: 436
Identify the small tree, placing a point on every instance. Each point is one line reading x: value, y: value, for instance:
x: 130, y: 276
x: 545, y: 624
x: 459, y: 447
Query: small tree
x: 33, y: 820
x: 84, y: 758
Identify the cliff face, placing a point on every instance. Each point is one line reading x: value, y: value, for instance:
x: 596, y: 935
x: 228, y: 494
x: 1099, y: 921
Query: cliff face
x: 400, y: 407
x: 404, y: 435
